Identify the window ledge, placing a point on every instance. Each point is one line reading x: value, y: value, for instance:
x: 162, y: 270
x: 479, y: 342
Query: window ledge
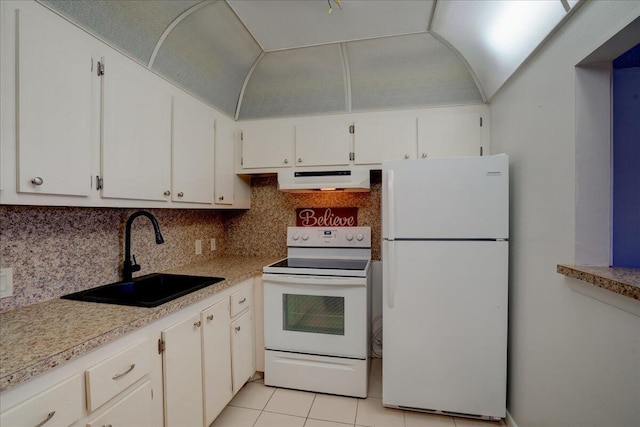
x: 618, y: 287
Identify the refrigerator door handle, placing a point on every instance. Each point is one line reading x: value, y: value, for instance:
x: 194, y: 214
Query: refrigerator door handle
x: 390, y: 274
x: 391, y: 203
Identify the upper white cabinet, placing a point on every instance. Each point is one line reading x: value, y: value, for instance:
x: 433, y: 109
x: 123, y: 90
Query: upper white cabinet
x: 224, y: 167
x: 192, y: 151
x: 268, y: 145
x: 53, y: 107
x: 322, y: 142
x: 450, y: 134
x: 136, y: 133
x: 384, y: 138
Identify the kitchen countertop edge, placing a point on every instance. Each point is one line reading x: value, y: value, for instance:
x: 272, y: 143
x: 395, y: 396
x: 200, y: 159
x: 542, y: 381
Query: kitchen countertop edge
x: 234, y: 269
x: 623, y: 281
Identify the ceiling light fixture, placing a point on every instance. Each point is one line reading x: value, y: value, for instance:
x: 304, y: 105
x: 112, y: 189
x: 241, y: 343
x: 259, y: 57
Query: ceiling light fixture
x: 336, y: 2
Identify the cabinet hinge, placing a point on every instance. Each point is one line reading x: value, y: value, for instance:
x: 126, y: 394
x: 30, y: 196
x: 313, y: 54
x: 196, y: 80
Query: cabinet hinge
x: 99, y: 182
x: 481, y: 151
x: 92, y: 65
x: 161, y: 346
x: 352, y: 129
x: 352, y: 156
x: 100, y: 68
x: 480, y: 121
x: 241, y: 161
x: 241, y: 136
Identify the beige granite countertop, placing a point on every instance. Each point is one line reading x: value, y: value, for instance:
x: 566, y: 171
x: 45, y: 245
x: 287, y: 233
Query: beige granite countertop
x: 39, y: 337
x: 623, y: 281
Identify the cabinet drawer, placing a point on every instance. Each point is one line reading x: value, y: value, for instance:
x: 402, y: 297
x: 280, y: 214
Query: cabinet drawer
x: 111, y: 376
x: 61, y: 405
x: 134, y: 410
x: 241, y: 300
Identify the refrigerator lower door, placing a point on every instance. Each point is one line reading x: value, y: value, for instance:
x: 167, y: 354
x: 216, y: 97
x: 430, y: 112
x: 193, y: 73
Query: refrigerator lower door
x: 445, y: 326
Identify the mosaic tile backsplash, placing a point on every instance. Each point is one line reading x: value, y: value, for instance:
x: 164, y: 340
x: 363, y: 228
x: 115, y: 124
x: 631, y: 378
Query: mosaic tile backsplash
x: 262, y: 231
x: 56, y: 251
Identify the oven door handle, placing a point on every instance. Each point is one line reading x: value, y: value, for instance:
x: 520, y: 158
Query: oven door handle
x: 313, y: 280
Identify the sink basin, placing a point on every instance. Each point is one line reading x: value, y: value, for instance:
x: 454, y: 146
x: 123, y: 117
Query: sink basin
x: 146, y: 291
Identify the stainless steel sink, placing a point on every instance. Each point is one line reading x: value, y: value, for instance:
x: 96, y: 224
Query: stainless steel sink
x: 146, y: 291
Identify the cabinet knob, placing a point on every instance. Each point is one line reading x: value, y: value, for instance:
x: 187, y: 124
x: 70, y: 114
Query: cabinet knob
x: 221, y: 198
x: 197, y: 324
x: 406, y: 156
x: 286, y: 161
x: 167, y: 193
x: 299, y: 159
x: 180, y: 194
x: 424, y: 155
x: 237, y: 328
x: 37, y: 181
x: 210, y: 317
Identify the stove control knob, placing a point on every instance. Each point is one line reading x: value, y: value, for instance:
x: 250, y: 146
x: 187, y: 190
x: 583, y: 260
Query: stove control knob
x: 305, y: 237
x: 359, y: 236
x: 349, y: 237
x: 295, y: 236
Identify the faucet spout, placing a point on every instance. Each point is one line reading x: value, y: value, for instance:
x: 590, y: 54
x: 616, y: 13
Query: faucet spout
x: 128, y: 266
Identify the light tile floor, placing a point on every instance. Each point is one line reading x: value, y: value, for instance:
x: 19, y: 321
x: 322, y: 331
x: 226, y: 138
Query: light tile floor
x: 257, y: 405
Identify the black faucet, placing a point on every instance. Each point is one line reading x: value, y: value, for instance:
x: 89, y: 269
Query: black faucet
x: 131, y: 267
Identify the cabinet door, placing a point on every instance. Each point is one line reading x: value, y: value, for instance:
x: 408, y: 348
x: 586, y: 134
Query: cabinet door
x: 54, y: 108
x: 267, y: 145
x: 450, y: 134
x: 193, y: 151
x: 216, y: 358
x: 224, y: 170
x: 136, y: 133
x: 182, y: 374
x: 132, y: 411
x: 323, y: 143
x: 381, y: 139
x: 242, y: 350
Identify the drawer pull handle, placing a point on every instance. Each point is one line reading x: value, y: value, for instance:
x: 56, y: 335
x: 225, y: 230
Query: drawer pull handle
x: 120, y: 375
x: 49, y: 416
x: 237, y: 328
x: 242, y: 301
x: 210, y: 317
x: 197, y: 324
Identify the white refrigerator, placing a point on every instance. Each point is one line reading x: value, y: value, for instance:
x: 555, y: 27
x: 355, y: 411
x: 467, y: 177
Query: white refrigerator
x: 445, y: 231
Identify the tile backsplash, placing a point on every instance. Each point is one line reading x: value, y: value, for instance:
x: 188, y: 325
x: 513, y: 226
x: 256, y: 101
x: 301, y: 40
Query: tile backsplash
x: 263, y: 229
x: 56, y: 251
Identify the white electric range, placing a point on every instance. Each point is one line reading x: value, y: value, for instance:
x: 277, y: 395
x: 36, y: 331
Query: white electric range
x: 316, y: 311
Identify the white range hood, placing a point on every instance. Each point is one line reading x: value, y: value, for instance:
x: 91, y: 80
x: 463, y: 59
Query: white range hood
x: 312, y: 181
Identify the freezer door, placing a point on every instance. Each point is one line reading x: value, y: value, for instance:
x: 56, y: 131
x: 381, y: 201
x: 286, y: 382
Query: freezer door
x: 445, y: 326
x: 465, y: 198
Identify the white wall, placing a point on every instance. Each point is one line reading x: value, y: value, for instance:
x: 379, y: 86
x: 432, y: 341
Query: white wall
x: 574, y: 361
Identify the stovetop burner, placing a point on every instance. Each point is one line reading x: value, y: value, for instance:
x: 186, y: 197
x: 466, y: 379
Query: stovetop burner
x: 322, y: 264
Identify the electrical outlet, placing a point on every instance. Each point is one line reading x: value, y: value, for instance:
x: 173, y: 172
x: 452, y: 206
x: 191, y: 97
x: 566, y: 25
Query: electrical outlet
x: 213, y: 244
x: 6, y: 282
x: 198, y: 247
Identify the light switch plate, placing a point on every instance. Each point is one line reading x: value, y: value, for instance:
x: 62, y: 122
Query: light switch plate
x: 213, y: 244
x: 198, y: 247
x: 6, y: 282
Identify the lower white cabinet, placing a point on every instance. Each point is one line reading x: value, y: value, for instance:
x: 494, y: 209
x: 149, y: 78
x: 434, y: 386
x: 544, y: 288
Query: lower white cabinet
x: 133, y: 410
x: 207, y: 358
x: 58, y: 406
x: 242, y: 366
x: 216, y: 359
x: 182, y: 373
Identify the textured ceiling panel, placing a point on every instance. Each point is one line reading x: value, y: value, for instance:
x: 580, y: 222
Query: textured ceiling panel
x: 407, y: 71
x: 296, y: 82
x: 284, y: 24
x: 495, y: 36
x: 132, y: 26
x: 209, y: 54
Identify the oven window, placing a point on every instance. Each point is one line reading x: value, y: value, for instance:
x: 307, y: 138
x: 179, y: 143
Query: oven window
x: 313, y: 313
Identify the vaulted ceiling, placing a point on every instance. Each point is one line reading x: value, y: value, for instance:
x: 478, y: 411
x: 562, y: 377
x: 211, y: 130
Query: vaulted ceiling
x: 275, y: 58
